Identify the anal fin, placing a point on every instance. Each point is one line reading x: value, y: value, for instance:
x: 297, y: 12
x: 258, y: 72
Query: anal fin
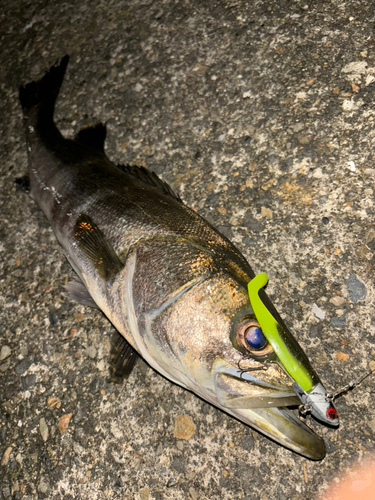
x: 96, y: 247
x: 122, y: 358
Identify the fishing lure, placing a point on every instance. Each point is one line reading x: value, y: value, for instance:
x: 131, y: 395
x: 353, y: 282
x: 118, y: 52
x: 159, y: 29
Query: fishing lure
x: 291, y: 358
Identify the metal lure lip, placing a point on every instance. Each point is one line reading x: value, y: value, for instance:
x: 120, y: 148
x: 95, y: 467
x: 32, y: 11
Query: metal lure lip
x: 318, y: 403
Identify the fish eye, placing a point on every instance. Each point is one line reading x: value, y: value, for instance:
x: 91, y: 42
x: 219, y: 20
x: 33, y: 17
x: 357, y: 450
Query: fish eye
x: 254, y: 338
x: 249, y: 338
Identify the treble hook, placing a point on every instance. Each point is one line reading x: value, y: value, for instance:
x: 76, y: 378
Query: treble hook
x: 252, y: 369
x: 305, y: 409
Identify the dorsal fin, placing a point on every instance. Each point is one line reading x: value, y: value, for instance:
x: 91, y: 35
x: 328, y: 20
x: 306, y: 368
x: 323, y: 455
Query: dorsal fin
x: 148, y: 177
x: 93, y: 137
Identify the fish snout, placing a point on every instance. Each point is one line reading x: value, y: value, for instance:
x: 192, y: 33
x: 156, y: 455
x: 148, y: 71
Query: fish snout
x: 320, y: 405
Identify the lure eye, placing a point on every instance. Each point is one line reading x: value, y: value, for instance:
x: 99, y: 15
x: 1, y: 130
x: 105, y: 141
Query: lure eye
x: 249, y: 338
x: 331, y: 413
x: 255, y: 338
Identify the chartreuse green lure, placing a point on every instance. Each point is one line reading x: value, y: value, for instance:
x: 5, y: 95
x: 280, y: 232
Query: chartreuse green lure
x: 291, y: 357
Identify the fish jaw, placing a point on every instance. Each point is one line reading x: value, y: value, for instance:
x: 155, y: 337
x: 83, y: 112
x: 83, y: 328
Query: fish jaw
x: 282, y: 426
x: 263, y: 405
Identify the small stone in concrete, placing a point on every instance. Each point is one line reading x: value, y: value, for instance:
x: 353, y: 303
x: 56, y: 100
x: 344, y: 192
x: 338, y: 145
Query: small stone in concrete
x: 43, y: 486
x: 338, y: 321
x: 371, y: 424
x: 23, y: 366
x: 91, y: 352
x: 337, y: 301
x: 144, y: 493
x: 6, y: 492
x: 6, y: 455
x: 357, y: 290
x: 64, y: 422
x: 318, y: 312
x: 184, y: 427
x: 4, y: 366
x: 43, y: 429
x: 5, y: 352
x: 342, y: 356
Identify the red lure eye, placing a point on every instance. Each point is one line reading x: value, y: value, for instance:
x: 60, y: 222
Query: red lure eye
x: 331, y: 413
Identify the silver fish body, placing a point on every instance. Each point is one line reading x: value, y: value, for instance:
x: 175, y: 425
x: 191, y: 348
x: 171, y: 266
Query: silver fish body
x: 172, y: 285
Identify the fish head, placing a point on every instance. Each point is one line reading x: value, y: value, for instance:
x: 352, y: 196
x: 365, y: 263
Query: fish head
x: 202, y: 331
x: 222, y: 355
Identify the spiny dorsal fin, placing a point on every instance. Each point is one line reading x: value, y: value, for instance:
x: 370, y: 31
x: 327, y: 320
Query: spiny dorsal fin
x: 93, y: 137
x: 148, y: 177
x: 96, y: 247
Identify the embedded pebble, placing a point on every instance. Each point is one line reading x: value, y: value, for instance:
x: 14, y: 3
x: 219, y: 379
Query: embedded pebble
x: 338, y: 321
x: 184, y: 427
x: 357, y: 290
x: 91, y: 352
x: 342, y: 356
x: 64, y: 422
x: 43, y: 428
x: 43, y: 486
x: 318, y: 312
x: 23, y: 366
x: 4, y: 366
x: 371, y: 424
x: 144, y: 493
x: 337, y: 301
x: 5, y: 352
x: 6, y: 455
x: 53, y: 401
x: 266, y: 212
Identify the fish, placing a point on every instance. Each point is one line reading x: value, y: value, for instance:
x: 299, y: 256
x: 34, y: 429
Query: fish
x: 178, y: 292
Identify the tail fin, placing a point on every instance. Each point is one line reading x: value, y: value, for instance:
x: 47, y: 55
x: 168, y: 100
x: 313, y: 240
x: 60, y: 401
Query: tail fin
x: 43, y: 93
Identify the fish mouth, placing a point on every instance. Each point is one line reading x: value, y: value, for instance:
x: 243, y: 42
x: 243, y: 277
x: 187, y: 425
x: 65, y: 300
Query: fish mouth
x: 265, y: 406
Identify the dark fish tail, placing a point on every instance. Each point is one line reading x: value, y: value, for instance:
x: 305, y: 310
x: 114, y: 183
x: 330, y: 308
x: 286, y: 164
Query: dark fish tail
x: 41, y: 95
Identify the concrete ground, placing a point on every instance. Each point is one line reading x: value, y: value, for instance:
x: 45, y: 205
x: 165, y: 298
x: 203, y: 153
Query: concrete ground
x: 261, y: 115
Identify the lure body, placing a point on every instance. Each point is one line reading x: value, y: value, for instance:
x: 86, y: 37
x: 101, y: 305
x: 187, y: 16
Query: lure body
x: 172, y: 285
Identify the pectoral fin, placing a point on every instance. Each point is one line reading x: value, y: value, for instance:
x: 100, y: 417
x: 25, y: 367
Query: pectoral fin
x: 96, y: 247
x: 75, y: 290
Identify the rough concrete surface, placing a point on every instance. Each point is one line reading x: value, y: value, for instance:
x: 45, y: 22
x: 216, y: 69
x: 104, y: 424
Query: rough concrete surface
x: 261, y: 115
